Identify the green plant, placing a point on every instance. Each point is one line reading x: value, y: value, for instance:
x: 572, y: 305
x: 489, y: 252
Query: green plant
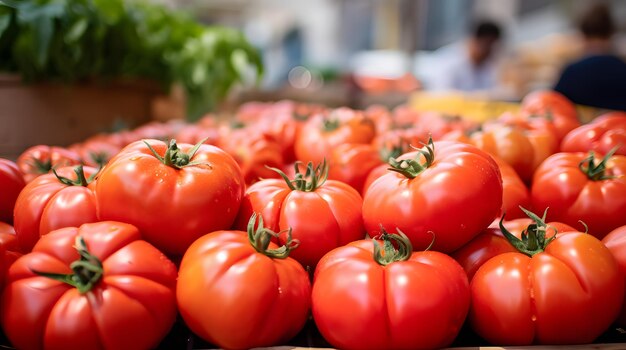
x: 70, y: 40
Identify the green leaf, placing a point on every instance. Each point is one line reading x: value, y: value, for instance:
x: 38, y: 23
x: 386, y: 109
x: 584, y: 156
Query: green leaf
x: 76, y: 31
x: 5, y: 20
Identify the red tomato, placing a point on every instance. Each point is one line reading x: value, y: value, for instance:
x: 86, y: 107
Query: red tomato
x: 39, y: 160
x: 451, y: 189
x: 351, y: 163
x: 576, y: 186
x: 50, y: 202
x: 9, y: 250
x: 214, y: 291
x: 325, y: 132
x: 515, y: 194
x: 553, y: 107
x: 96, y: 152
x: 564, y: 289
x: 491, y: 242
x: 174, y: 194
x: 98, y: 286
x: 601, y: 135
x: 11, y: 183
x: 616, y: 242
x: 365, y: 298
x: 324, y: 214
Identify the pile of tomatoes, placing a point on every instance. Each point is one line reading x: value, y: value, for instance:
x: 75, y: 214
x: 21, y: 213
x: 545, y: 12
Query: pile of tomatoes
x: 388, y: 228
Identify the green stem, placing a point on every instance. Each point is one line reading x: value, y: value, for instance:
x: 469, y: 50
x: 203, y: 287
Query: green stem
x: 87, y: 270
x: 175, y: 157
x: 412, y: 167
x: 80, y: 177
x: 313, y: 178
x: 388, y: 253
x: 260, y: 238
x: 331, y: 124
x: 533, y: 239
x: 41, y: 167
x: 596, y: 172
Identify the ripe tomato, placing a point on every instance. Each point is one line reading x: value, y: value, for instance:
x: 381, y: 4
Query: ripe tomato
x: 515, y: 194
x: 616, y: 242
x: 41, y: 159
x: 11, y: 183
x: 601, y: 135
x: 491, y: 242
x: 174, y: 194
x: 9, y: 250
x: 351, y: 163
x: 214, y: 291
x: 327, y: 131
x: 368, y: 297
x: 96, y: 152
x: 323, y: 214
x: 449, y: 188
x: 98, y: 286
x: 576, y: 186
x: 564, y: 289
x: 51, y: 202
x: 553, y: 107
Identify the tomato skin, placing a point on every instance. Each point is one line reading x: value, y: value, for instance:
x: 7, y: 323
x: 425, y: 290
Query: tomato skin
x: 490, y: 243
x: 510, y: 145
x: 351, y: 163
x: 553, y: 107
x: 47, y: 204
x: 56, y: 156
x: 11, y: 183
x: 568, y: 294
x: 172, y: 207
x: 217, y: 303
x: 514, y: 192
x: 426, y: 202
x: 601, y: 135
x: 133, y: 305
x: 419, y: 303
x: 9, y: 250
x: 321, y: 220
x: 562, y: 186
x: 616, y: 242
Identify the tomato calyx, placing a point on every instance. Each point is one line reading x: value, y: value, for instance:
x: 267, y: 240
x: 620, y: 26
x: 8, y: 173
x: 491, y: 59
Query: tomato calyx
x: 534, y: 238
x: 597, y: 172
x: 100, y: 158
x: 260, y: 238
x: 312, y: 179
x: 392, y: 152
x: 388, y: 254
x: 87, y: 270
x: 174, y: 156
x: 41, y: 166
x: 412, y: 167
x: 330, y: 124
x: 81, y: 180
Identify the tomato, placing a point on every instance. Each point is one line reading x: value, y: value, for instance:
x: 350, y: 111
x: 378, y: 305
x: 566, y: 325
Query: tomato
x: 240, y: 291
x: 11, y: 183
x: 254, y: 152
x: 616, y: 242
x: 564, y: 289
x: 51, y: 202
x: 491, y: 242
x: 9, y: 250
x: 576, y: 186
x: 451, y: 189
x: 325, y: 132
x: 351, y: 163
x: 323, y: 214
x: 368, y: 297
x: 601, y: 135
x: 96, y: 152
x: 98, y: 286
x: 514, y: 191
x: 553, y: 107
x: 194, y: 133
x: 41, y: 159
x: 173, y: 193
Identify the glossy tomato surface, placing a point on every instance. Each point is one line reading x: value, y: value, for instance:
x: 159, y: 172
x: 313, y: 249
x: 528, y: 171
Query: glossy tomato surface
x: 41, y: 159
x: 616, y: 242
x: 11, y: 183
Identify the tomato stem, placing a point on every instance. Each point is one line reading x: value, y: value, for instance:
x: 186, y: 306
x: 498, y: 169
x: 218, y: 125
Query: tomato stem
x: 330, y: 124
x: 87, y: 270
x: 412, y: 167
x: 41, y: 166
x: 260, y: 238
x: 174, y: 156
x: 388, y: 253
x: 597, y: 172
x: 533, y: 239
x: 100, y: 158
x: 80, y: 177
x: 312, y: 179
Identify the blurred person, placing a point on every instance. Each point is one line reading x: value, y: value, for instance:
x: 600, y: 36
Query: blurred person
x: 474, y: 68
x: 599, y: 78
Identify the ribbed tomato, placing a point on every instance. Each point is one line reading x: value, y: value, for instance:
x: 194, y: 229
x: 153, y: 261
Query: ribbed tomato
x: 41, y: 159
